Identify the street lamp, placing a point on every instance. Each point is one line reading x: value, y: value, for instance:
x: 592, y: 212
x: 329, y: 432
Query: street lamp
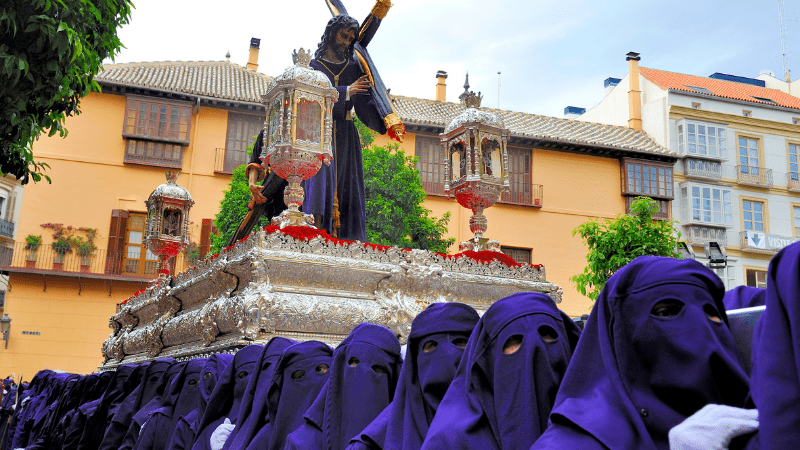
x: 5, y: 327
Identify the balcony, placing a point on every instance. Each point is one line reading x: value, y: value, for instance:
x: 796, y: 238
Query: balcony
x: 101, y: 264
x: 663, y: 206
x: 754, y: 176
x: 6, y: 228
x: 764, y: 242
x: 703, y: 234
x: 531, y: 195
x: 702, y: 169
x: 793, y: 182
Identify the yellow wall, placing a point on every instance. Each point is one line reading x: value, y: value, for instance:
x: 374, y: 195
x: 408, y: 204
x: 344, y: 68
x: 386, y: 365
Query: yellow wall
x: 72, y: 326
x: 576, y: 188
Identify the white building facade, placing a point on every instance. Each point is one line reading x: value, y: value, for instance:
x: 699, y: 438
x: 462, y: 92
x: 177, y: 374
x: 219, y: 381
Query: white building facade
x: 737, y: 181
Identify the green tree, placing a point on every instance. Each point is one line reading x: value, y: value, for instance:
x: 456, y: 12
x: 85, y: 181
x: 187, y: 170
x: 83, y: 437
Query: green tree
x: 232, y: 210
x: 616, y: 242
x: 50, y: 51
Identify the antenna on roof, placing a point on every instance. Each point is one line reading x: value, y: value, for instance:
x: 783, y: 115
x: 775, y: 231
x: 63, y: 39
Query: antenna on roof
x: 498, y: 90
x: 784, y: 45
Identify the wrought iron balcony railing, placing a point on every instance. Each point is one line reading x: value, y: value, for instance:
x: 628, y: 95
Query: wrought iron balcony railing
x: 793, y: 181
x: 703, y: 234
x: 21, y: 257
x: 754, y: 176
x: 765, y: 242
x: 700, y: 168
x: 6, y: 228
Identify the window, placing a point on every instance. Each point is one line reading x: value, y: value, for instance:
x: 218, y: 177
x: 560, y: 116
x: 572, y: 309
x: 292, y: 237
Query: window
x: 138, y: 259
x: 748, y: 155
x: 727, y: 275
x: 765, y: 100
x: 747, y: 113
x: 520, y: 255
x: 145, y: 118
x: 706, y: 204
x: 702, y: 139
x: 756, y: 278
x: 153, y: 153
x: 699, y: 89
x: 753, y: 216
x: 519, y: 177
x: 647, y: 178
x: 695, y: 105
x: 431, y: 164
x: 242, y: 131
x: 794, y: 152
x: 796, y: 120
x: 796, y: 220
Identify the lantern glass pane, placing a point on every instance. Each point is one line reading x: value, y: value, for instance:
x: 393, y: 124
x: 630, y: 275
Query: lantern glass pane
x: 309, y: 121
x: 172, y: 222
x: 490, y: 158
x: 274, y: 121
x: 457, y: 165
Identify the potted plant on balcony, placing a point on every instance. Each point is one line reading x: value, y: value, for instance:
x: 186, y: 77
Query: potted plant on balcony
x: 32, y: 243
x: 85, y: 248
x: 62, y: 243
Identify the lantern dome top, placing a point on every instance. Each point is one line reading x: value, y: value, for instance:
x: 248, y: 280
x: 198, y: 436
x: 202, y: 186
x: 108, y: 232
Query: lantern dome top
x: 170, y: 189
x: 474, y: 113
x: 302, y: 73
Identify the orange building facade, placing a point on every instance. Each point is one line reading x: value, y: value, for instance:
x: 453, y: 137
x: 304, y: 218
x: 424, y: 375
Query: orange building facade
x: 198, y: 118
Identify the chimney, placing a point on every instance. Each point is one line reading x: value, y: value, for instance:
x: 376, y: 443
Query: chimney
x: 634, y: 94
x: 571, y: 112
x: 441, y: 86
x: 610, y: 84
x: 252, y: 61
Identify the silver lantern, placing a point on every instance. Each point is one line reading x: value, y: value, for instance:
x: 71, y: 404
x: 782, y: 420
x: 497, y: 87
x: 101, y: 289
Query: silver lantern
x: 298, y: 131
x: 475, y: 166
x: 167, y: 228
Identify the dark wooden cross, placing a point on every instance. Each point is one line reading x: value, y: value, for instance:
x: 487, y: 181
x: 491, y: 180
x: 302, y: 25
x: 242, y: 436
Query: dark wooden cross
x: 380, y: 94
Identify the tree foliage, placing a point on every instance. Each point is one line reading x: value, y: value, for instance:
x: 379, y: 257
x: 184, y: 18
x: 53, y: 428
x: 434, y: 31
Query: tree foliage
x: 232, y: 210
x: 616, y: 242
x: 50, y: 51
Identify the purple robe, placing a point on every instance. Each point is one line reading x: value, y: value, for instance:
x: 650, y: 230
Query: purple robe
x: 99, y: 416
x: 744, y: 297
x: 366, y: 366
x: 253, y: 409
x: 180, y: 399
x: 186, y: 428
x: 776, y: 375
x: 424, y: 378
x: 147, y: 389
x: 346, y: 172
x: 226, y: 400
x: 302, y: 371
x: 637, y: 373
x: 499, y: 400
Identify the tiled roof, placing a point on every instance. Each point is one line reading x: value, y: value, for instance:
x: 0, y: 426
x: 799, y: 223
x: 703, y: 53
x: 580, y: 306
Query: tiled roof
x: 720, y: 88
x: 217, y: 79
x: 435, y: 113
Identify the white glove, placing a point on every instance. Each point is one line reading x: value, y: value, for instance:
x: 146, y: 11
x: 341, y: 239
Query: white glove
x: 712, y: 428
x: 220, y: 435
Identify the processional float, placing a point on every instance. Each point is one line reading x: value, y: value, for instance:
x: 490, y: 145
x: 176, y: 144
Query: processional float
x: 293, y: 280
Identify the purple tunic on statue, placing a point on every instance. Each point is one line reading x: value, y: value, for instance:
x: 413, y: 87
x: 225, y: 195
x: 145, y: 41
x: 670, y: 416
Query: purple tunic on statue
x: 347, y: 168
x: 776, y: 376
x: 638, y: 371
x: 500, y: 398
x: 744, y: 297
x: 226, y: 400
x: 186, y: 428
x: 443, y: 330
x: 253, y: 408
x: 180, y: 398
x: 301, y: 373
x: 366, y: 366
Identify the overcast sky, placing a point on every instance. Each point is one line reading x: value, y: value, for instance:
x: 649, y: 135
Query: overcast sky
x: 551, y: 54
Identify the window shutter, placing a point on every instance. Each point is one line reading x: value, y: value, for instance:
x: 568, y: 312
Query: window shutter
x: 116, y: 241
x: 205, y: 237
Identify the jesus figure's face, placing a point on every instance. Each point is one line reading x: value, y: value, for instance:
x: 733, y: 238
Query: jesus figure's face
x: 344, y: 38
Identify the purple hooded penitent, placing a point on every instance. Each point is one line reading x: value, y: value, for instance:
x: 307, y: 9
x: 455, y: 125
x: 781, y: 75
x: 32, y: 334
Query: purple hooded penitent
x: 656, y: 349
x: 302, y: 371
x: 226, y: 399
x: 776, y: 376
x: 186, y: 428
x: 147, y: 389
x: 181, y: 397
x: 744, y: 297
x: 253, y: 411
x: 72, y: 436
x: 99, y: 414
x: 366, y: 366
x: 507, y: 380
x: 435, y: 347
